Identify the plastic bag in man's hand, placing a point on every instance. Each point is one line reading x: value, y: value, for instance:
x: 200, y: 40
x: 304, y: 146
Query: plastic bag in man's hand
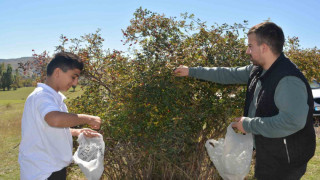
x: 231, y: 156
x: 90, y: 156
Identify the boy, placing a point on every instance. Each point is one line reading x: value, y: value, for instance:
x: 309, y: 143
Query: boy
x: 46, y: 137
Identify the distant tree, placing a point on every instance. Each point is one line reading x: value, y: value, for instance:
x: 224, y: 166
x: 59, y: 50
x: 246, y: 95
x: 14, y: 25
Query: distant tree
x: 26, y: 82
x: 16, y: 80
x: 1, y: 73
x: 8, y: 77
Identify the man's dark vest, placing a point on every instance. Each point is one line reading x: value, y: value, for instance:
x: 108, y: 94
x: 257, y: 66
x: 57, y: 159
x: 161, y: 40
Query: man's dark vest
x: 297, y: 148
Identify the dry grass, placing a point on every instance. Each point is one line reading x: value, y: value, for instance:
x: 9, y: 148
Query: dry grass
x: 11, y: 108
x: 124, y: 160
x: 313, y: 169
x: 10, y: 120
x: 317, y: 130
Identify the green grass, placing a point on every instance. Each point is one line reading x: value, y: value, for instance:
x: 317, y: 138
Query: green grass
x: 19, y: 94
x: 313, y: 169
x: 11, y: 108
x: 71, y: 95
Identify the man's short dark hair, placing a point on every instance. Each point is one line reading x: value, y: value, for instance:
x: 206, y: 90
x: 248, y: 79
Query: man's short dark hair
x: 270, y: 34
x: 65, y: 61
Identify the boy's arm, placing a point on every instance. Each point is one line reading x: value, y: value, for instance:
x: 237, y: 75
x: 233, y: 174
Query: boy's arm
x: 63, y: 119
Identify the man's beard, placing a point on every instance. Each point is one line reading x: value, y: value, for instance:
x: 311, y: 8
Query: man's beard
x: 254, y: 62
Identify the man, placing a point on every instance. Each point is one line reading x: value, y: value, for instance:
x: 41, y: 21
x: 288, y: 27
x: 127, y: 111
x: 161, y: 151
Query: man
x: 278, y: 106
x: 46, y: 137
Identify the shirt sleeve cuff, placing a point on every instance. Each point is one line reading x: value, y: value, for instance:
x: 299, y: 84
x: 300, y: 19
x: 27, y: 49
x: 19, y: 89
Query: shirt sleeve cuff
x: 246, y: 124
x: 192, y: 71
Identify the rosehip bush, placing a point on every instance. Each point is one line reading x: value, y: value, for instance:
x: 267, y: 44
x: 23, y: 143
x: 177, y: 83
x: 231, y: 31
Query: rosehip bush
x: 308, y: 60
x: 144, y: 104
x: 37, y: 66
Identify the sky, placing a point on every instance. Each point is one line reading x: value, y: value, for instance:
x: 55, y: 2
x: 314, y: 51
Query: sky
x: 38, y: 24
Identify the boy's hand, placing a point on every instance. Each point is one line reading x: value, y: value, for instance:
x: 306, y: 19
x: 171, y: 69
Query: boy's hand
x: 181, y: 71
x: 89, y: 132
x: 93, y: 121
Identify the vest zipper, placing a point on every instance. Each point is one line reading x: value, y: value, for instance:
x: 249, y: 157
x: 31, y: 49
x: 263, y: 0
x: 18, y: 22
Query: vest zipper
x: 285, y: 144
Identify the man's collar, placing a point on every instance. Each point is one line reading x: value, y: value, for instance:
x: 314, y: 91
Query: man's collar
x: 277, y: 61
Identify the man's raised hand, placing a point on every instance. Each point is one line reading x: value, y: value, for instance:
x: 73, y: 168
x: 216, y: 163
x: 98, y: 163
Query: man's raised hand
x: 181, y: 71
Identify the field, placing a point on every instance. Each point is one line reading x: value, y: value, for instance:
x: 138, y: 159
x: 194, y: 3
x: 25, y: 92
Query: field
x: 11, y: 108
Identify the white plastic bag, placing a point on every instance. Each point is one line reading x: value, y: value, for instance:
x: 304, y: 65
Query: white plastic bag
x: 90, y: 156
x: 231, y: 156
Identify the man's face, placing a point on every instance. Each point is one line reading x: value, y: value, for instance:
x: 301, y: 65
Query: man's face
x: 68, y: 79
x: 254, y: 50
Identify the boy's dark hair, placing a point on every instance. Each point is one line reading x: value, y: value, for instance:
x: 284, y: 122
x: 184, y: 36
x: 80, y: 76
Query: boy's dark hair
x: 65, y: 61
x: 270, y: 34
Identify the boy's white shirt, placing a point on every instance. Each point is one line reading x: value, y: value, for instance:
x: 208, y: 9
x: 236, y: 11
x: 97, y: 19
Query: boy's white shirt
x: 43, y: 149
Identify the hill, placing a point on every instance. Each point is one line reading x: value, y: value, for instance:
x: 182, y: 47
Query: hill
x: 14, y: 62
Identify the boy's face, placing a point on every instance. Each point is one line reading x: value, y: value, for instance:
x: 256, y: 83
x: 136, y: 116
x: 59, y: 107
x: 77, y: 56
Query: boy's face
x: 68, y: 79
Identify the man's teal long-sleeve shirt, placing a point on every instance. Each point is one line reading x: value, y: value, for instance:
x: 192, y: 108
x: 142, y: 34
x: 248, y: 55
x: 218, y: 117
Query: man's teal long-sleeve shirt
x: 290, y: 98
